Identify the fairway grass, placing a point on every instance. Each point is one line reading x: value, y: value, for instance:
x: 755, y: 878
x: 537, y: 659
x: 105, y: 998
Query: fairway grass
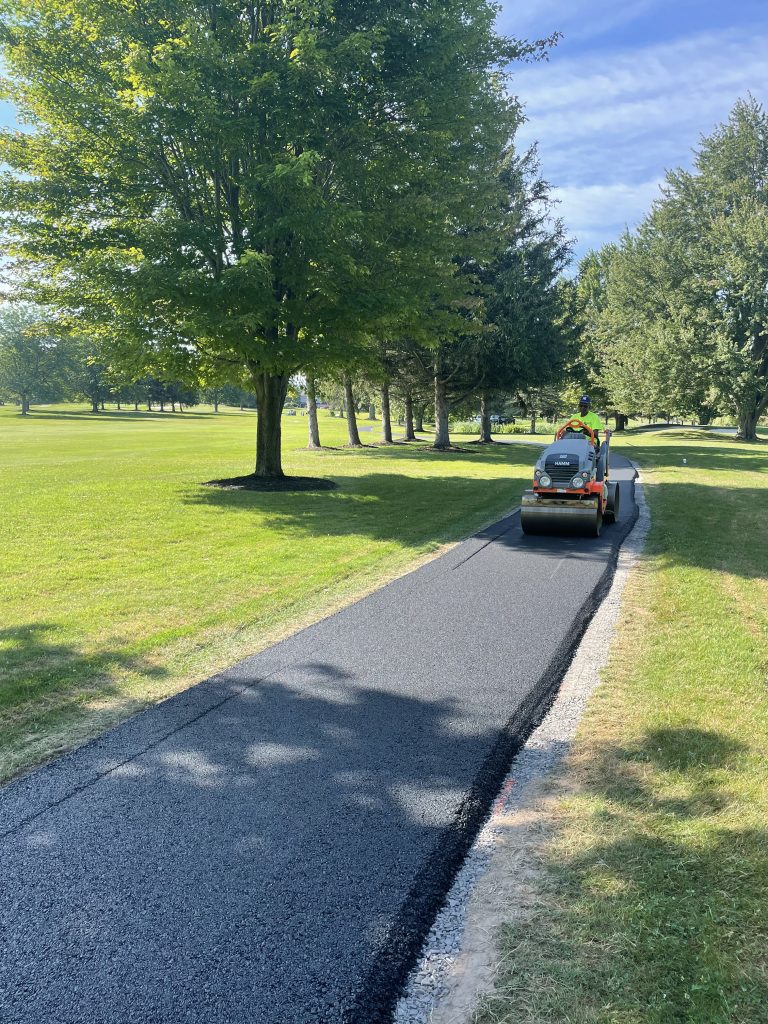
x: 652, y: 906
x: 124, y: 580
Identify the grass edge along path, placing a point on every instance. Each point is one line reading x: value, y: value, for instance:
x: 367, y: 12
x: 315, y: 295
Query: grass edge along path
x: 652, y: 895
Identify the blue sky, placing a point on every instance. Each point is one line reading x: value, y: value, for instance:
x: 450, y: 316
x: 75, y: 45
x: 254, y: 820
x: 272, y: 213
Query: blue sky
x: 628, y: 92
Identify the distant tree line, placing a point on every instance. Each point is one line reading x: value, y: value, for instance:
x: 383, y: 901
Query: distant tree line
x: 37, y: 366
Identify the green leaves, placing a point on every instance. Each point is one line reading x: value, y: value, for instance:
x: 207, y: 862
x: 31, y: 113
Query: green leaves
x: 684, y: 313
x: 306, y: 169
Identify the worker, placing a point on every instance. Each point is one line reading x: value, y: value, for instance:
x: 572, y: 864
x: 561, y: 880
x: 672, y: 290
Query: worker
x: 589, y: 418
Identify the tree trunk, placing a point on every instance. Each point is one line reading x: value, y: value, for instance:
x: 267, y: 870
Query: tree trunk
x: 386, y: 415
x: 748, y: 418
x: 215, y: 405
x: 94, y: 405
x: 103, y: 407
x: 409, y: 433
x: 418, y: 417
x: 149, y: 405
x: 485, y: 419
x: 371, y: 411
x: 271, y: 389
x: 442, y: 435
x: 118, y: 405
x: 135, y: 406
x: 173, y: 405
x: 621, y: 421
x: 162, y: 405
x: 533, y: 421
x: 24, y: 405
x: 181, y: 407
x: 349, y: 400
x: 314, y: 429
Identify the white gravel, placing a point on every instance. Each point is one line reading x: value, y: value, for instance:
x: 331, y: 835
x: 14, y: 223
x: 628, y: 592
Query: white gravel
x: 450, y: 975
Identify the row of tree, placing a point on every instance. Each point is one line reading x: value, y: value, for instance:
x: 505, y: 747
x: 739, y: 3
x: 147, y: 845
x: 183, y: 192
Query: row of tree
x: 675, y: 316
x: 242, y: 192
x: 37, y: 366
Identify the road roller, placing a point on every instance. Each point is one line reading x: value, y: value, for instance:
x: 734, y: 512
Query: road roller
x: 572, y: 494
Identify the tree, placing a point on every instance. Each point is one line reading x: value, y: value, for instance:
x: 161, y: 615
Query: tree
x: 686, y: 314
x: 514, y: 330
x: 87, y: 375
x: 255, y: 185
x: 31, y: 364
x: 527, y: 308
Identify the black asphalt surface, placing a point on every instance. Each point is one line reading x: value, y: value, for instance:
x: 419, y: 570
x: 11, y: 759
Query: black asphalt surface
x: 271, y: 846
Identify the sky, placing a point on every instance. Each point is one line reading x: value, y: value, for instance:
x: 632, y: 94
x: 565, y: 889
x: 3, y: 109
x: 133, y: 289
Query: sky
x: 627, y: 94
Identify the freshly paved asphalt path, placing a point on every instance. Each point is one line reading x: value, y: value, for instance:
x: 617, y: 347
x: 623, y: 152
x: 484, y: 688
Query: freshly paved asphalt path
x: 271, y: 845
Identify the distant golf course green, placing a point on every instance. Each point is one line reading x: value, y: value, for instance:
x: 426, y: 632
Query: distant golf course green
x: 124, y: 580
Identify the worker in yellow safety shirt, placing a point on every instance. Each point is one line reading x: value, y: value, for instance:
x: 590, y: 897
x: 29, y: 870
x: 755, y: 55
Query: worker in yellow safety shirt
x: 589, y: 418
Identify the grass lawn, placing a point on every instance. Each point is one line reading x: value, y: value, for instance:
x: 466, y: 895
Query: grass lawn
x: 124, y: 580
x: 654, y: 891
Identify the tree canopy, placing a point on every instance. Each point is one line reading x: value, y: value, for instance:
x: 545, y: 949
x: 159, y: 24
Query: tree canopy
x: 682, y: 309
x: 251, y: 185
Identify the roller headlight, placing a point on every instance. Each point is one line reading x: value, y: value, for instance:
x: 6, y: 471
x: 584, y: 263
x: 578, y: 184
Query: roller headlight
x: 545, y: 481
x: 578, y: 481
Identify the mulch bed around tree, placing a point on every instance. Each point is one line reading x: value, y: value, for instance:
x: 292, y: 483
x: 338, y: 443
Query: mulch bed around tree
x: 449, y: 449
x: 276, y: 483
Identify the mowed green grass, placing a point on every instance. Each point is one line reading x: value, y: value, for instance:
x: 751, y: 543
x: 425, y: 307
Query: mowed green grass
x: 124, y: 579
x: 653, y: 903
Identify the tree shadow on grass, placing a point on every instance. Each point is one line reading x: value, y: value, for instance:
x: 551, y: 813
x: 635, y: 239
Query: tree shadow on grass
x: 660, y: 914
x: 722, y: 457
x: 46, y: 683
x: 408, y: 509
x: 121, y: 414
x: 696, y: 756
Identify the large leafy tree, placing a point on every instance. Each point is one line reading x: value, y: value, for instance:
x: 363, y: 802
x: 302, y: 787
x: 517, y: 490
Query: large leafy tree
x: 685, y: 320
x: 32, y: 363
x: 513, y: 332
x: 250, y: 184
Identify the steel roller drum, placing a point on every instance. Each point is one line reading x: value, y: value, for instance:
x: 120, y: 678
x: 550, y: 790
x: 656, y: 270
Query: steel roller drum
x: 579, y: 518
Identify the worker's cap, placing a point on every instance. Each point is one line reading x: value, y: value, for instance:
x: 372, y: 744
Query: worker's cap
x: 584, y: 400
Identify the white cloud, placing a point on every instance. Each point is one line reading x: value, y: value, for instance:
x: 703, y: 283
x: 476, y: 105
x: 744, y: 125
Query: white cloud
x: 594, y: 212
x: 610, y: 123
x: 578, y: 19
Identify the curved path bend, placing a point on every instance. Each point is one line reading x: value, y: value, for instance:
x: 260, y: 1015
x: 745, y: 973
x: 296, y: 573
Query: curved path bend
x: 271, y: 846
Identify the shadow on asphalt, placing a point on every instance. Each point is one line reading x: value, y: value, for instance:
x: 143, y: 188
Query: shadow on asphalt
x: 310, y: 859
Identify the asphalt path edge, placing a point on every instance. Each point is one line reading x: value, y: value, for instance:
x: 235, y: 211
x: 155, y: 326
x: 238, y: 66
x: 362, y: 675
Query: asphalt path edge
x: 378, y: 994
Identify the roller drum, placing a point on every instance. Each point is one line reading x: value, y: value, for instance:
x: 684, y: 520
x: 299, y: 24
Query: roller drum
x: 561, y: 518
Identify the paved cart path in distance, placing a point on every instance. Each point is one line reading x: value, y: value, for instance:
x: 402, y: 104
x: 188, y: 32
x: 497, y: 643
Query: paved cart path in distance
x: 270, y: 846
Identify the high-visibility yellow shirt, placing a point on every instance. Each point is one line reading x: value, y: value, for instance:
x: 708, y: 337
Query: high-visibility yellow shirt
x: 591, y: 419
